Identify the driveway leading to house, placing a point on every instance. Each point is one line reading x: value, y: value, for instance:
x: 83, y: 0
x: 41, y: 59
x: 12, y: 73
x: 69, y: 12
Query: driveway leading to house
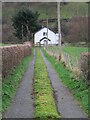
x: 22, y: 104
x: 67, y: 106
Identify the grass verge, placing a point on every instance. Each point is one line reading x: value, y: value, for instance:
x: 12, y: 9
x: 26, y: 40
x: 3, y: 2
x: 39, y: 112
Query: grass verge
x: 12, y: 81
x: 3, y: 44
x: 45, y: 107
x: 79, y: 88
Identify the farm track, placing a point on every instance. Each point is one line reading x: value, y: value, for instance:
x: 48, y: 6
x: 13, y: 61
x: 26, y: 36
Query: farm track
x: 22, y: 105
x: 67, y: 106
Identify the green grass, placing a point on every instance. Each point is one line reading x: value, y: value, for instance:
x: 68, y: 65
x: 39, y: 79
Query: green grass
x: 73, y: 9
x: 72, y: 51
x: 78, y: 87
x: 45, y: 107
x: 3, y: 44
x: 12, y: 81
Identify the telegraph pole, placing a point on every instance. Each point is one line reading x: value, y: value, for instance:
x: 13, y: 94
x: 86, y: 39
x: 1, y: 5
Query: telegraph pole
x: 47, y: 31
x: 59, y: 28
x: 47, y: 24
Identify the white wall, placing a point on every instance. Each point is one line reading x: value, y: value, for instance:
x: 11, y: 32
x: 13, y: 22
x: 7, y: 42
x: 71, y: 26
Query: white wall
x: 51, y: 35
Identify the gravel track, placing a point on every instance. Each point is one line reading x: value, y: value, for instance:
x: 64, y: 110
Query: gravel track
x: 23, y: 105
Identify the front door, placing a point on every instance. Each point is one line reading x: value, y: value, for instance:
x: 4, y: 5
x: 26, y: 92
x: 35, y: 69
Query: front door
x: 45, y: 42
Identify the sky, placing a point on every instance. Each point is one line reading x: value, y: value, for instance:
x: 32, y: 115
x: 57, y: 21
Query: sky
x: 44, y: 0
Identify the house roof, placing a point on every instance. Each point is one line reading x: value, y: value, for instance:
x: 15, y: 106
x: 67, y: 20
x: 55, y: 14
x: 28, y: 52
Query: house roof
x: 45, y: 38
x: 44, y: 28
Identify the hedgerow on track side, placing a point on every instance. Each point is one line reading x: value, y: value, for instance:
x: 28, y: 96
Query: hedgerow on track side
x: 12, y: 56
x: 45, y: 107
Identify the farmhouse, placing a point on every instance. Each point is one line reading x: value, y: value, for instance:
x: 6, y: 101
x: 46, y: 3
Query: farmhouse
x: 40, y: 37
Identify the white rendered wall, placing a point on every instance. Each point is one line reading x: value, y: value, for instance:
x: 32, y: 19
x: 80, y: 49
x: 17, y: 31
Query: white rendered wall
x: 51, y: 35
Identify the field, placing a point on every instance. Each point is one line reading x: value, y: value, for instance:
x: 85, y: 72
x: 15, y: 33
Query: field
x: 3, y: 44
x: 74, y: 9
x: 72, y: 51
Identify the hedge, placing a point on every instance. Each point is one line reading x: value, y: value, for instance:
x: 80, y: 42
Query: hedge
x: 12, y: 56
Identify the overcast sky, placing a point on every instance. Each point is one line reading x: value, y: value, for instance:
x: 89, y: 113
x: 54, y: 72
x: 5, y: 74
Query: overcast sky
x: 44, y: 0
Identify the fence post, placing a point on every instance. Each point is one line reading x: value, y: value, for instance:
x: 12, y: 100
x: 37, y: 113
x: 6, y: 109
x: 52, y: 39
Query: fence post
x: 77, y: 62
x: 69, y: 61
x: 64, y: 56
x: 53, y: 53
x: 66, y: 59
x: 72, y: 62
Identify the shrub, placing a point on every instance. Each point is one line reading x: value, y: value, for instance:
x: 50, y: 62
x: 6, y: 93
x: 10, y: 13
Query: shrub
x: 79, y: 30
x: 76, y: 30
x: 12, y: 56
x: 7, y: 34
x: 85, y: 66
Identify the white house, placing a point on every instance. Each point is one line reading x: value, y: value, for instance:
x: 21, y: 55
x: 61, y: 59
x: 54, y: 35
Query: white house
x: 40, y: 37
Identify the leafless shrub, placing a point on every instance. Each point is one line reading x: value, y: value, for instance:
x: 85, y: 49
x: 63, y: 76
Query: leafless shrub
x: 85, y: 66
x: 12, y: 56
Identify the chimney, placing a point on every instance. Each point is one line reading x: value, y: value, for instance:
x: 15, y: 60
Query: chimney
x: 44, y: 23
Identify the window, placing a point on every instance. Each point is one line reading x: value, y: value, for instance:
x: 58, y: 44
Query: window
x: 44, y: 34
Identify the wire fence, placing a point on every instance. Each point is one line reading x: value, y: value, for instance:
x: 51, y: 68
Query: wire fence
x: 70, y: 61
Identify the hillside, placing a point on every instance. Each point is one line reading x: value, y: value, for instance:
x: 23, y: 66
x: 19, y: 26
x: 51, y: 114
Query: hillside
x: 68, y: 10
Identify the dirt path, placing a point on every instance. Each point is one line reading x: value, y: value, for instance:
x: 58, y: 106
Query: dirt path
x: 22, y: 105
x: 67, y: 106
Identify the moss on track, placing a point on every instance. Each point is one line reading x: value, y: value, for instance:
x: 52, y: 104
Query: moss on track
x: 45, y: 107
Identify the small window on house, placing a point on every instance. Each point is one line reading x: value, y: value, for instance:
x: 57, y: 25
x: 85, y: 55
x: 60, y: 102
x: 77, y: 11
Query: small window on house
x: 43, y: 33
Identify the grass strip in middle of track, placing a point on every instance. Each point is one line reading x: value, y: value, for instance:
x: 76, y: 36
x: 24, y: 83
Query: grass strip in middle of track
x: 45, y: 107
